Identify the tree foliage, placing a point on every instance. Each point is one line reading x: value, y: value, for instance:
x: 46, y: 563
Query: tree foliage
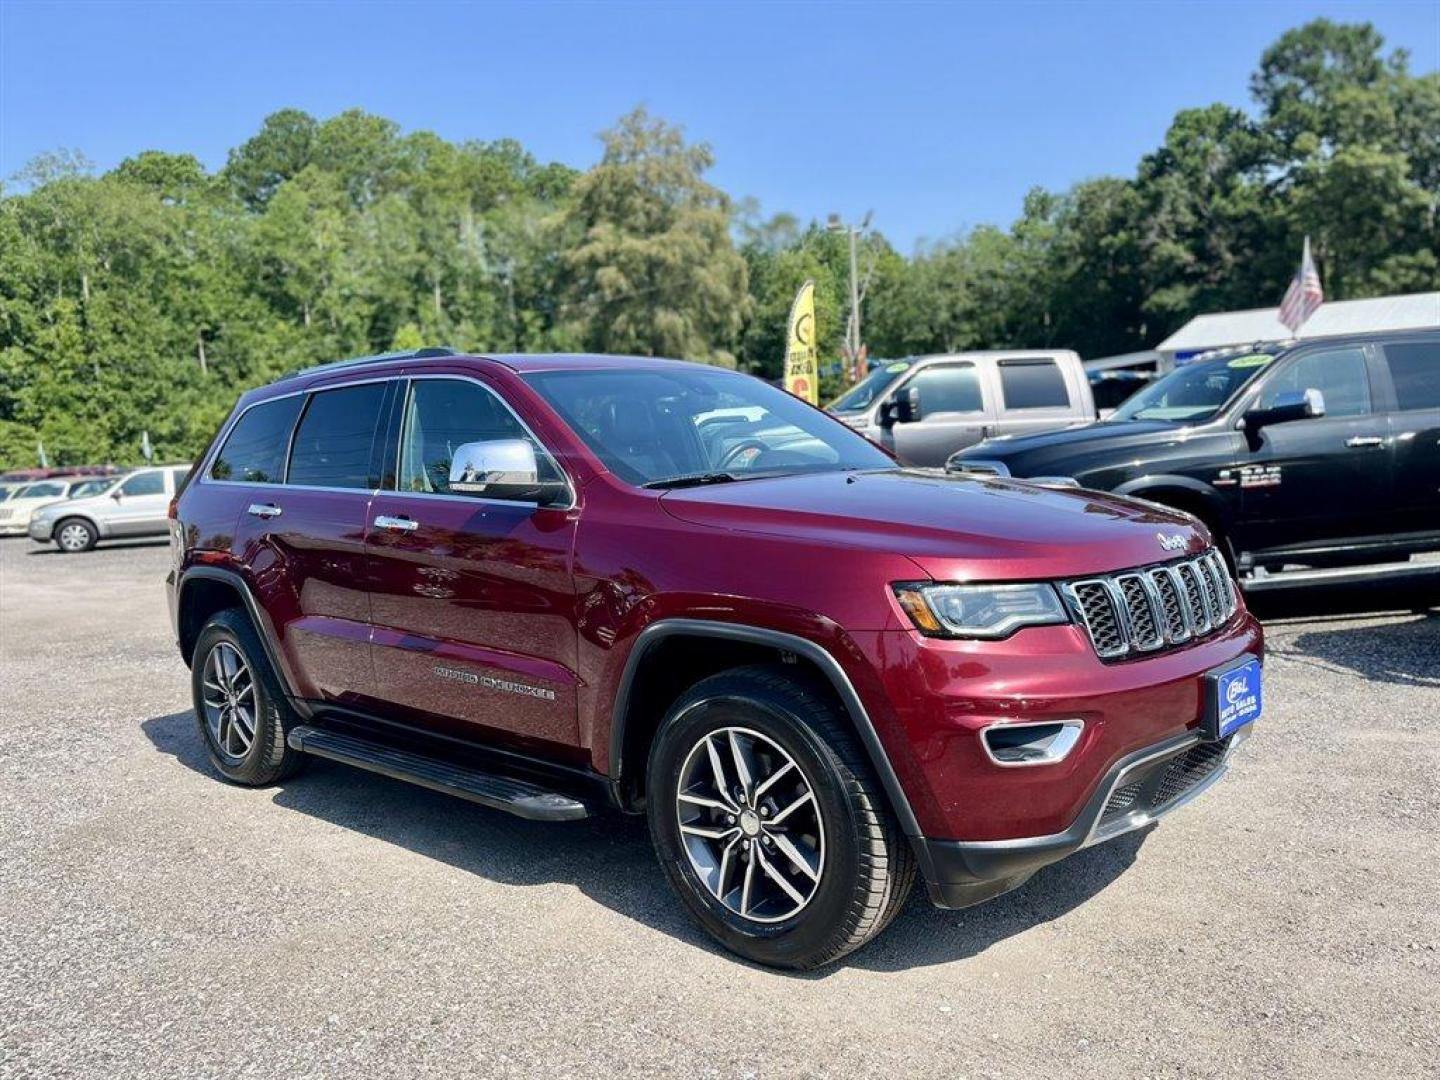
x: 148, y: 297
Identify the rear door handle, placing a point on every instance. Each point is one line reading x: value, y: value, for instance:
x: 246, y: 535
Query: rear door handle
x: 399, y: 524
x: 1360, y: 442
x: 264, y: 510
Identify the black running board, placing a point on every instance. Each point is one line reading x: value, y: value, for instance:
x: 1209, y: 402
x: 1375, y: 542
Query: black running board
x: 488, y: 789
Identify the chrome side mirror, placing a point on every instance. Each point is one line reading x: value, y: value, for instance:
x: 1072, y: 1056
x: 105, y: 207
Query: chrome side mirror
x: 500, y: 469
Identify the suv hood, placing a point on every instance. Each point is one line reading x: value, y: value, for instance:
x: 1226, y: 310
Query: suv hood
x: 954, y: 527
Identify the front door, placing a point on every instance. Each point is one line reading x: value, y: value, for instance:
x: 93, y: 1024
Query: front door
x: 1414, y: 368
x: 472, y: 599
x: 140, y: 502
x: 953, y: 415
x: 1323, y: 480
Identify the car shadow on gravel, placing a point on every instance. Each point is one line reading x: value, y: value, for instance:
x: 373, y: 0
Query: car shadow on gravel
x: 610, y: 860
x: 108, y: 545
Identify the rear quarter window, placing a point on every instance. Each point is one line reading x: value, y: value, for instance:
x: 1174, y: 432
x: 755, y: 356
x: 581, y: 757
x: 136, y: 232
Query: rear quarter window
x: 254, y: 451
x: 1033, y: 384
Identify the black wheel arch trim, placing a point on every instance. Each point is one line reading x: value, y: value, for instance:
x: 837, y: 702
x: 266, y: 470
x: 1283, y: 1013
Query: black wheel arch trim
x: 758, y: 635
x: 263, y: 628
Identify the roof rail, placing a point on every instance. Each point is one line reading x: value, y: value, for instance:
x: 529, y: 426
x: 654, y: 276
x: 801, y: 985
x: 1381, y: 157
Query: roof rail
x: 363, y: 361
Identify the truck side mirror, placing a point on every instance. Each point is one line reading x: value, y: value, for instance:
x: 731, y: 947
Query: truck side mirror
x: 904, y: 407
x: 1288, y: 405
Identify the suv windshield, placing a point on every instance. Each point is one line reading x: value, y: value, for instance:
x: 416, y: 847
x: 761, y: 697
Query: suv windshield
x: 1194, y: 393
x: 869, y: 389
x: 671, y: 427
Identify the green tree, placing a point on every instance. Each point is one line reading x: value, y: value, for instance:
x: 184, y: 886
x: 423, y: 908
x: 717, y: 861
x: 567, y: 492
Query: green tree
x: 654, y: 271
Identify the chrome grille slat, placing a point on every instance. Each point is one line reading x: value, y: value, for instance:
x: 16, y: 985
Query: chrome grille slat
x: 1154, y: 607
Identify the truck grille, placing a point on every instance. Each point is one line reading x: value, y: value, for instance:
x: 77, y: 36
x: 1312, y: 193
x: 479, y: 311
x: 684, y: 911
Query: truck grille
x: 1154, y: 607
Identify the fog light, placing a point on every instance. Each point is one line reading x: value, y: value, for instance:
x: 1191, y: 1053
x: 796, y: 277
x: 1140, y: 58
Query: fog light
x: 1042, y: 743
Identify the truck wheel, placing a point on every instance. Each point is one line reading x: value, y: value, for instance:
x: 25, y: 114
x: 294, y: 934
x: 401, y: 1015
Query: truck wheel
x: 74, y: 535
x: 769, y: 823
x: 241, y: 712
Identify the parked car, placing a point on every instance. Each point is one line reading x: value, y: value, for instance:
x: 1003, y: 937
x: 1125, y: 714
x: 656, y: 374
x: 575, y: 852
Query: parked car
x: 554, y: 585
x: 924, y: 410
x: 131, y: 505
x: 25, y: 499
x: 1321, y: 455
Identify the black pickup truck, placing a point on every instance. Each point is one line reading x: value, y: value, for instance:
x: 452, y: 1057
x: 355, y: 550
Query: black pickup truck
x: 1311, y: 460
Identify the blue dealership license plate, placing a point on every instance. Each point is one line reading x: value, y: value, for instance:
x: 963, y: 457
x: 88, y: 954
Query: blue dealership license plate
x: 1233, y: 698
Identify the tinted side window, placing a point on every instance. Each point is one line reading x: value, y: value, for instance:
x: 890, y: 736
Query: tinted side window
x: 1033, y: 384
x: 335, y: 441
x: 443, y: 414
x: 948, y: 388
x: 1339, y: 374
x: 151, y: 482
x: 1415, y: 371
x: 254, y: 452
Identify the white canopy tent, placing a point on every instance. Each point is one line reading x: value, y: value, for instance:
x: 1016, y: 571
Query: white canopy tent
x: 1227, y: 328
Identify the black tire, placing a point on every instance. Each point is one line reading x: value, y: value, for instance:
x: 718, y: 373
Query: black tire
x: 868, y: 866
x: 268, y: 758
x: 83, y: 533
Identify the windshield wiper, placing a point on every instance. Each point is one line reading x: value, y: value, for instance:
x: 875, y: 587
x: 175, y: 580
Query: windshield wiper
x: 692, y: 480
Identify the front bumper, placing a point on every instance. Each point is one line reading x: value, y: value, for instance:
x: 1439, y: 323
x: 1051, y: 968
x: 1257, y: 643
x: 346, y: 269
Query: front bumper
x: 41, y: 531
x: 14, y: 528
x: 1140, y: 788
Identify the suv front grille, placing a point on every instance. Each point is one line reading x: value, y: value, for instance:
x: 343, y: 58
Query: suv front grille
x: 1154, y: 607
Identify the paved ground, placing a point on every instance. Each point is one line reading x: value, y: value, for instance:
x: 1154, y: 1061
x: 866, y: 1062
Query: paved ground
x: 155, y: 921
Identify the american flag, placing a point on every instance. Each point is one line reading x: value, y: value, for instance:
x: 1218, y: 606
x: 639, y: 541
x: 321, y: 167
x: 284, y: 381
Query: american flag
x: 1304, y: 294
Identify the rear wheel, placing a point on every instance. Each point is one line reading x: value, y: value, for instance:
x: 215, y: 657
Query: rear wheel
x: 240, y: 709
x: 769, y: 823
x: 74, y: 535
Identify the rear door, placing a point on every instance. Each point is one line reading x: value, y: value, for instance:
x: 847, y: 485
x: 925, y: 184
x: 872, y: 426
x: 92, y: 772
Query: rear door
x: 473, y: 599
x: 1328, y: 479
x: 954, y: 413
x: 1414, y: 371
x: 301, y: 529
x: 1035, y: 395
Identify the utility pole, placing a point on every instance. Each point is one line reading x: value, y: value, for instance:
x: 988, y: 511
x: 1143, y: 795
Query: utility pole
x: 852, y: 325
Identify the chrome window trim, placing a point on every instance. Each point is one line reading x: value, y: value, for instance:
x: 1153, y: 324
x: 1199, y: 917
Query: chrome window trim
x: 204, y: 477
x: 203, y: 473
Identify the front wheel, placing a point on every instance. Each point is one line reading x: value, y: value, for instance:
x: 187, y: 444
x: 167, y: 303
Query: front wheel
x: 769, y: 823
x: 74, y: 535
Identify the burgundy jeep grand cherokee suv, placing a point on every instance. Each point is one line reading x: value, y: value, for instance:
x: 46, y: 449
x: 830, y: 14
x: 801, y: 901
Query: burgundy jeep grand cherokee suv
x: 552, y: 584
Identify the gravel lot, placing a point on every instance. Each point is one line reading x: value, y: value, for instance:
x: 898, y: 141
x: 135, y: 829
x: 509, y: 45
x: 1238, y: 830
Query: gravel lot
x: 155, y: 921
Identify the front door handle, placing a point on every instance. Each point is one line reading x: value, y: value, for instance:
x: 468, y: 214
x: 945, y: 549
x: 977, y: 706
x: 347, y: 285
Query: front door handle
x: 264, y: 510
x: 1361, y: 442
x: 399, y: 524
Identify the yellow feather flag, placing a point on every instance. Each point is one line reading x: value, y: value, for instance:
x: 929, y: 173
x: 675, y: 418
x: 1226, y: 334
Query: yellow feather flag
x: 802, y: 362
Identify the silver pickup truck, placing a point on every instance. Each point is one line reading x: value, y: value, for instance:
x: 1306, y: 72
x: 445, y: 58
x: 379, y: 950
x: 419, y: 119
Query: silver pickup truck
x: 924, y: 409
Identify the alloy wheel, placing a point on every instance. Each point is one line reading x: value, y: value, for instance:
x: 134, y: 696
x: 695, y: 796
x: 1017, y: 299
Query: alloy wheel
x: 74, y: 537
x: 750, y: 824
x: 229, y: 700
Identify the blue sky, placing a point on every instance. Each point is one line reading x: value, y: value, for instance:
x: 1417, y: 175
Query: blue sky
x: 936, y: 116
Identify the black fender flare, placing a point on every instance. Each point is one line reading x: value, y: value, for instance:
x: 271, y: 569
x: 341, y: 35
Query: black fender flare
x: 258, y: 618
x: 818, y: 655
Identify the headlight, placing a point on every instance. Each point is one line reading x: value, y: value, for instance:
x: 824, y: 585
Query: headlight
x: 980, y: 611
